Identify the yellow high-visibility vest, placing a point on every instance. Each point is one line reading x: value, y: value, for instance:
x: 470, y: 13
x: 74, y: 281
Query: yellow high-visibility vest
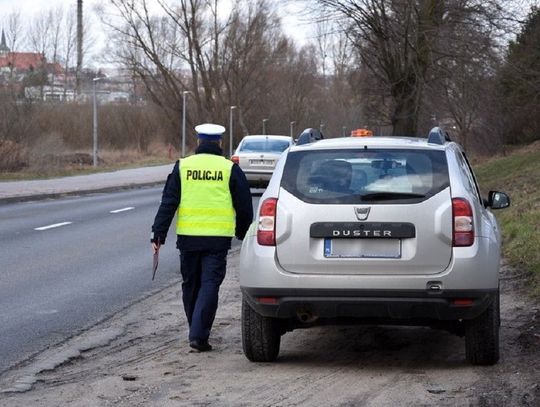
x: 206, y: 207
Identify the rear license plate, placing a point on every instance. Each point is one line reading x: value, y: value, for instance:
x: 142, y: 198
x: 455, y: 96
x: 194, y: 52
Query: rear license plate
x: 362, y: 248
x: 261, y: 162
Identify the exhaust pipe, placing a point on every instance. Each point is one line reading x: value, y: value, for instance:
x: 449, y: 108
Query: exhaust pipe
x: 306, y: 316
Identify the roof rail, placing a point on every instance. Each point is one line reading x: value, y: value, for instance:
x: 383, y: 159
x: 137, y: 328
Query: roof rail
x: 309, y: 136
x: 438, y: 136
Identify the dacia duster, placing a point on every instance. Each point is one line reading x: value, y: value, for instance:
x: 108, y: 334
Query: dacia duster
x: 373, y: 230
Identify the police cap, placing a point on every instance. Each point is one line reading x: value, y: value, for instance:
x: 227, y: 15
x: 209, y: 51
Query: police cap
x: 209, y: 131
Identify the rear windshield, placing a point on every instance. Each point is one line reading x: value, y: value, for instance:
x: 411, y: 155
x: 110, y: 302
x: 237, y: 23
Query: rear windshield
x: 365, y: 176
x: 264, y: 145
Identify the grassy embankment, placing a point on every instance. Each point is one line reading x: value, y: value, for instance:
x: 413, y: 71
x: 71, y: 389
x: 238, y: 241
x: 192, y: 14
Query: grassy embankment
x: 109, y: 161
x: 518, y: 174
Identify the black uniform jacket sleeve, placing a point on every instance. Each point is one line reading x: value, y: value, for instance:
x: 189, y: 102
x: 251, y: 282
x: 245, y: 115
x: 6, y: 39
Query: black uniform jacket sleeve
x: 241, y: 197
x: 170, y: 200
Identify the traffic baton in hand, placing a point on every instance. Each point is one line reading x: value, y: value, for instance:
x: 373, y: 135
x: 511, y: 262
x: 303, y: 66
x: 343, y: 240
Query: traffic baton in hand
x: 156, y: 259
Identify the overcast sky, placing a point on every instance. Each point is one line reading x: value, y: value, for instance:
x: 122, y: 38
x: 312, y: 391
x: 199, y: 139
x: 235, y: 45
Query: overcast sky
x: 27, y: 7
x: 292, y: 24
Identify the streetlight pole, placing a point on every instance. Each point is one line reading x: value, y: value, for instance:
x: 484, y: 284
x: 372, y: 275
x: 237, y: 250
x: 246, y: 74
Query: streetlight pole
x: 184, y: 94
x: 95, y: 123
x: 264, y: 126
x: 231, y: 130
x: 292, y: 129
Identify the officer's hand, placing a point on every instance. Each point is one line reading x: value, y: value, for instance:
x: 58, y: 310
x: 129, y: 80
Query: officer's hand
x: 157, y: 240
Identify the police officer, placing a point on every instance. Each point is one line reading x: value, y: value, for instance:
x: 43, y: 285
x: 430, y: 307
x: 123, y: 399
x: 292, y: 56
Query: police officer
x: 211, y: 197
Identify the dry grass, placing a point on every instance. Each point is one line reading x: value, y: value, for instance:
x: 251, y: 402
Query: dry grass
x: 80, y: 162
x: 518, y: 174
x: 50, y: 140
x: 13, y: 156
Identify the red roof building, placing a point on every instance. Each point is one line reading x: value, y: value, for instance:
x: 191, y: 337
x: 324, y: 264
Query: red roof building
x: 22, y: 61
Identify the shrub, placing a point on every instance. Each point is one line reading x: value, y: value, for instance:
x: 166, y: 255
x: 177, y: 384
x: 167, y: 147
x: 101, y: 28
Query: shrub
x: 13, y: 156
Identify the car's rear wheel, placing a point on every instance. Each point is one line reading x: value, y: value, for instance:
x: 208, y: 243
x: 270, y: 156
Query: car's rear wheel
x: 261, y: 336
x: 482, y: 336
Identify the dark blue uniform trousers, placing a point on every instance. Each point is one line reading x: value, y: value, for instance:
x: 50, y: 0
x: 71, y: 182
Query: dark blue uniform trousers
x: 202, y: 274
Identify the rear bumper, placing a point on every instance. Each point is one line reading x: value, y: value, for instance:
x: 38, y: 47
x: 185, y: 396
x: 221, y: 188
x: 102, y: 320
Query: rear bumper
x: 256, y: 178
x: 396, y: 306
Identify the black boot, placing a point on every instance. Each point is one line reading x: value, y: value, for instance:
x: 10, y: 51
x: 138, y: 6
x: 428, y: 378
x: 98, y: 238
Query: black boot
x: 200, y: 345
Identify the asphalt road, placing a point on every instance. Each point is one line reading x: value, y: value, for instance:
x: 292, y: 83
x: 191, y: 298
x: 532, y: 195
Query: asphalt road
x: 67, y: 264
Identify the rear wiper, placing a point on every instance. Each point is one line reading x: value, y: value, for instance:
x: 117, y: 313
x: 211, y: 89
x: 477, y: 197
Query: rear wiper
x: 381, y: 196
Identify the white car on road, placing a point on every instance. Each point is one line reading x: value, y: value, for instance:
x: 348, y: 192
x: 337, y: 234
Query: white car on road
x: 257, y: 157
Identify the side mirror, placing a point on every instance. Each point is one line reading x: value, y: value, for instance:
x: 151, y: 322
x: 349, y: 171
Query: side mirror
x: 498, y: 200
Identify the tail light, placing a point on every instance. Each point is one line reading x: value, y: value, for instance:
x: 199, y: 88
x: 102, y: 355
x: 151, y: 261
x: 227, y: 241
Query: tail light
x: 235, y: 159
x: 266, y: 231
x: 462, y: 214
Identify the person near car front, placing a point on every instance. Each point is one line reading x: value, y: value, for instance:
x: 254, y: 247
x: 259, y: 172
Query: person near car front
x: 211, y: 197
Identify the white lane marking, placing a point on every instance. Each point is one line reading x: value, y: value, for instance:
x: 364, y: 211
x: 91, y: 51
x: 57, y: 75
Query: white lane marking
x: 123, y: 209
x: 56, y: 225
x: 47, y: 312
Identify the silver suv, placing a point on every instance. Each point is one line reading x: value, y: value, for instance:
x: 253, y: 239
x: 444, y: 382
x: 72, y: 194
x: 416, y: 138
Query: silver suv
x: 378, y: 231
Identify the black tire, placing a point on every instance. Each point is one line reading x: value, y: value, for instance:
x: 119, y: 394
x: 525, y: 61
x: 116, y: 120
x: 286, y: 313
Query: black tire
x: 482, y: 336
x: 261, y: 336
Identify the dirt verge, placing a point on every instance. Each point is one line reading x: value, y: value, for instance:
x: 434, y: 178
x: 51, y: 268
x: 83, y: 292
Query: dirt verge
x: 141, y: 358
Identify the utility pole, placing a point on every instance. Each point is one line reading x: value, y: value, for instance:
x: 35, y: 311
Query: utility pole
x: 264, y: 126
x: 95, y: 123
x: 79, y: 47
x: 184, y: 108
x: 231, y: 130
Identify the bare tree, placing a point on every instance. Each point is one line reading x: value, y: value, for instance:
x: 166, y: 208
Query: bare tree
x: 222, y: 60
x: 39, y: 31
x: 13, y: 30
x: 396, y: 39
x: 57, y: 22
x: 519, y: 83
x: 14, y: 33
x: 148, y: 46
x: 400, y: 41
x: 39, y: 38
x: 253, y: 48
x: 324, y: 31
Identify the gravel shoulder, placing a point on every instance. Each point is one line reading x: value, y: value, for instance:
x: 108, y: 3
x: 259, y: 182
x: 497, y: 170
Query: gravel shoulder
x: 140, y: 357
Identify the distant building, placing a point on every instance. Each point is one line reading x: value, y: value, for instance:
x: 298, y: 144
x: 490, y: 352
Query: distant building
x: 21, y: 61
x: 18, y: 61
x: 16, y: 66
x: 30, y: 75
x: 55, y: 93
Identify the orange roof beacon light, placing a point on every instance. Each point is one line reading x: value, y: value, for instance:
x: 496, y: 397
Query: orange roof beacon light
x: 361, y: 133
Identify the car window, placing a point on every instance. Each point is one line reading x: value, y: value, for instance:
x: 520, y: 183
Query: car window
x: 266, y: 146
x: 353, y: 176
x: 473, y: 178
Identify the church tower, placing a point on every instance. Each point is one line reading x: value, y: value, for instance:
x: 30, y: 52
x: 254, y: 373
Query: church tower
x: 3, y: 46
